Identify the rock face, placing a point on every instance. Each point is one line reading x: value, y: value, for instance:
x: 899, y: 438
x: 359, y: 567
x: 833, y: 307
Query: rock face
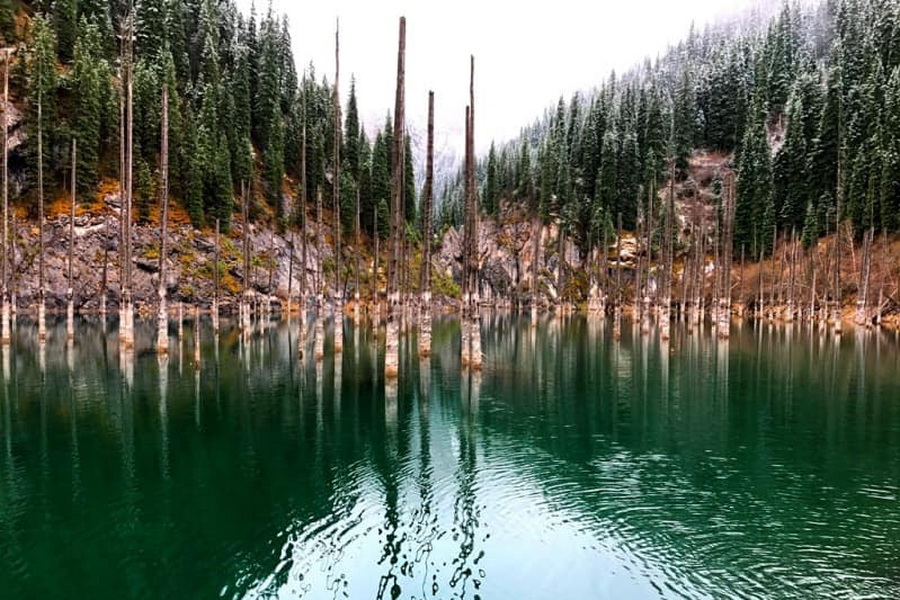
x: 189, y: 270
x: 506, y: 258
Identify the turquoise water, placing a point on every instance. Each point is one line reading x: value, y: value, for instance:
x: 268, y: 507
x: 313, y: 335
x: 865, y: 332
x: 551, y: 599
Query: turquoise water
x: 574, y: 466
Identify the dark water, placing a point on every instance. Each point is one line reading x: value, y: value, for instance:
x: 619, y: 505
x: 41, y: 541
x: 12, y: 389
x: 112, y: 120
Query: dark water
x: 573, y: 467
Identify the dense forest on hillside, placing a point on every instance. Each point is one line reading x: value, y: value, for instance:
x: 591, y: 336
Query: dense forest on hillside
x: 238, y: 108
x: 807, y: 103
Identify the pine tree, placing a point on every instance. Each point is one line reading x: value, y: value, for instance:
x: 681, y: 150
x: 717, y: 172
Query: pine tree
x: 351, y: 138
x: 754, y: 221
x: 150, y: 27
x: 65, y: 14
x: 409, y: 184
x: 89, y: 74
x: 274, y: 163
x: 42, y: 82
x: 491, y: 195
x: 7, y: 20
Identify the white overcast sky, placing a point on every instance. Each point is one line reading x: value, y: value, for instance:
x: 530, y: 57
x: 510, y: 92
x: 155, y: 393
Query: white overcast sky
x: 526, y: 53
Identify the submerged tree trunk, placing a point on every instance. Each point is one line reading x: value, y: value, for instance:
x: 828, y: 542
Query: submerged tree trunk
x: 392, y: 350
x: 425, y: 284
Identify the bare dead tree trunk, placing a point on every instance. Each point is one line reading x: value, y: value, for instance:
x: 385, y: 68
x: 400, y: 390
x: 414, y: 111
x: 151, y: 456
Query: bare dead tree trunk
x: 128, y: 299
x: 427, y: 194
x: 4, y: 292
x: 836, y: 320
x: 466, y: 345
x: 320, y: 268
x: 304, y: 195
x: 666, y: 300
x: 70, y: 290
x: 104, y: 283
x: 338, y: 300
x: 246, y: 292
x: 358, y: 253
x: 392, y: 350
x: 617, y: 307
x: 126, y: 327
x: 375, y: 300
x: 42, y: 323
x: 884, y: 274
x: 724, y: 314
x: 290, y: 290
x: 535, y: 259
x: 862, y: 296
x: 215, y: 305
x: 789, y: 316
x: 636, y: 306
x: 648, y: 240
x: 162, y: 340
x: 475, y: 357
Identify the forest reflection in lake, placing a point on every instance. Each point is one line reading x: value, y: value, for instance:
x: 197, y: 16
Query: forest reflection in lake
x: 766, y: 466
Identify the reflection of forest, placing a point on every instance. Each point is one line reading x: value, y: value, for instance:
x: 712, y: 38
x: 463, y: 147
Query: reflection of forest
x: 693, y: 462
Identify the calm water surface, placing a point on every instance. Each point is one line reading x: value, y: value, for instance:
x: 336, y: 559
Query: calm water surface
x: 572, y: 467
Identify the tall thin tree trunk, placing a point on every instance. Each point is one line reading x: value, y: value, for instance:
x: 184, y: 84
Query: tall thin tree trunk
x: 247, y: 292
x: 70, y: 289
x: 127, y: 331
x: 304, y: 195
x: 215, y: 304
x: 4, y: 269
x: 617, y: 309
x: 320, y: 268
x: 392, y: 350
x: 358, y: 253
x: 375, y: 236
x: 535, y: 256
x: 162, y: 335
x: 338, y: 302
x: 42, y: 323
x: 290, y: 290
x: 427, y: 193
x: 475, y: 313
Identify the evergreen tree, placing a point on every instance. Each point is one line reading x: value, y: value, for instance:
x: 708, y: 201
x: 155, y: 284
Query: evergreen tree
x: 491, y: 195
x: 66, y: 27
x: 754, y: 209
x: 42, y: 85
x: 7, y: 20
x: 352, y: 138
x: 90, y: 73
x: 274, y: 163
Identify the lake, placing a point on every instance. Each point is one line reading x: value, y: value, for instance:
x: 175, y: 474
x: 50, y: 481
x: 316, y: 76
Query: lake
x: 573, y: 466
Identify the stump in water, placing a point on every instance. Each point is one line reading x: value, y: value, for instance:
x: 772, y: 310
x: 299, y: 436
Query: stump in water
x: 319, y: 338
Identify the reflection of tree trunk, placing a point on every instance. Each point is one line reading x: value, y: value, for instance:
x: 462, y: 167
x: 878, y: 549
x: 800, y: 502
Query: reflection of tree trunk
x: 466, y: 512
